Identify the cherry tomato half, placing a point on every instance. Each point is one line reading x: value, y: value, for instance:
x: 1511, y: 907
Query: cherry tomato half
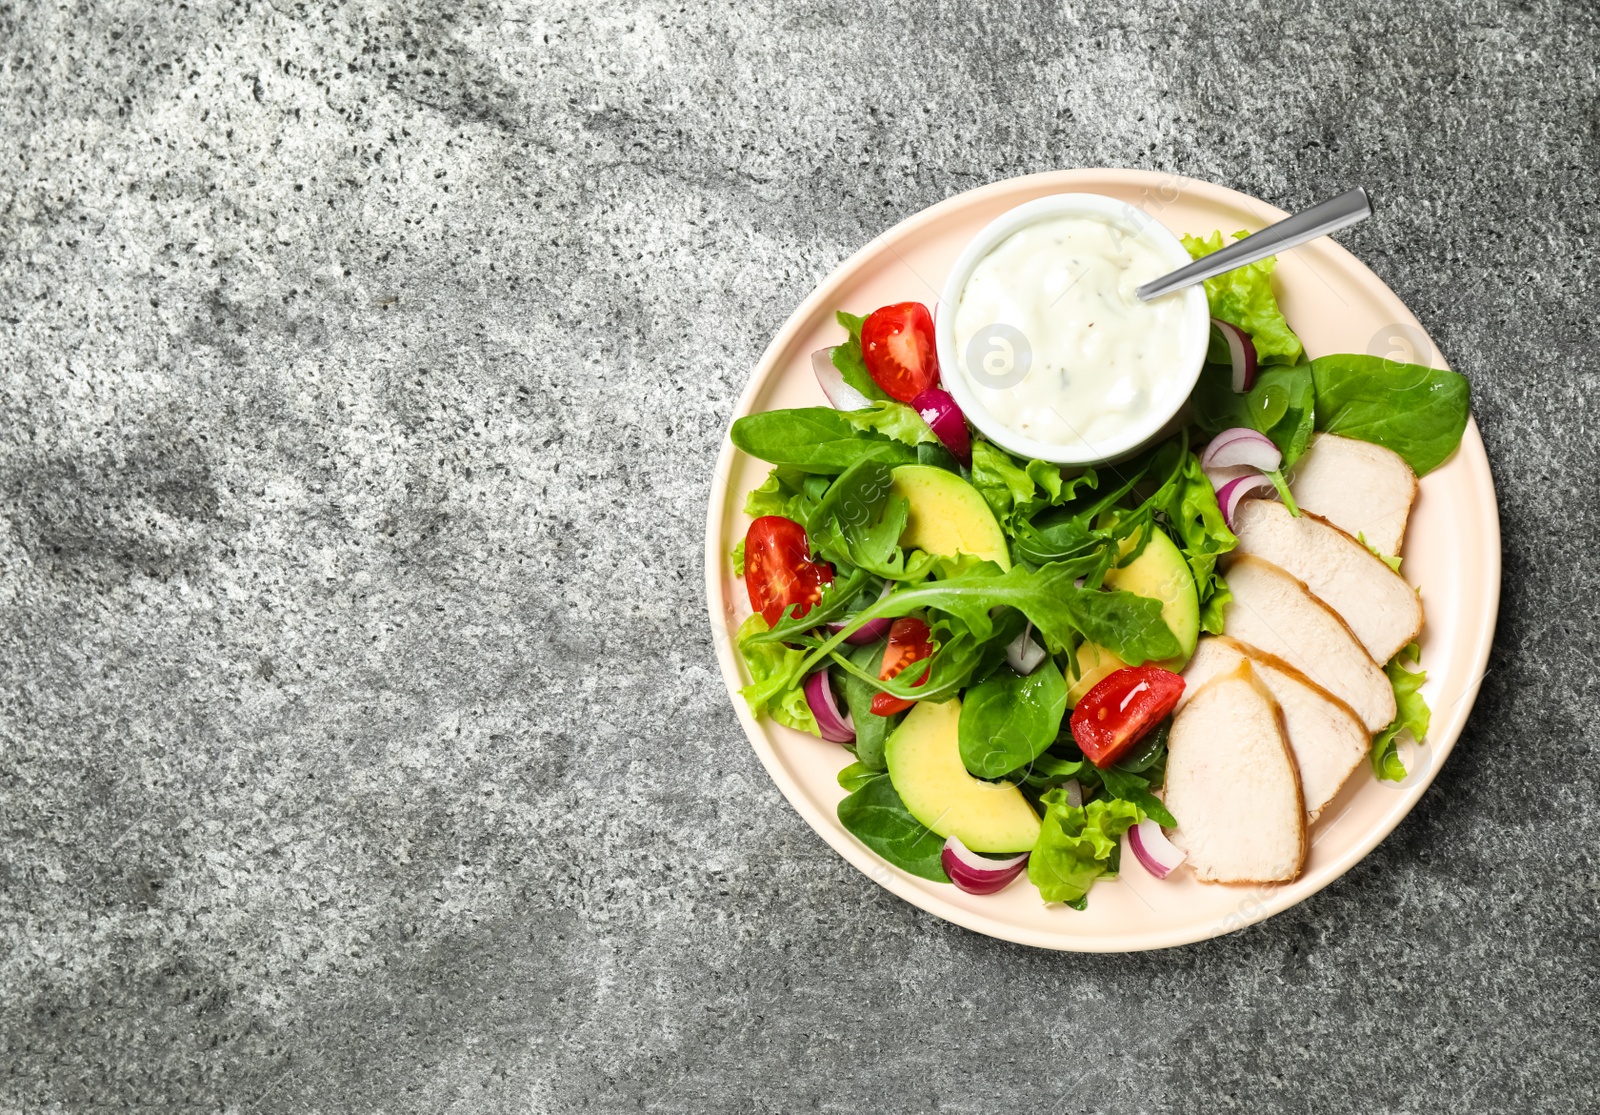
x: 778, y: 570
x: 909, y: 641
x: 1119, y: 711
x: 897, y: 344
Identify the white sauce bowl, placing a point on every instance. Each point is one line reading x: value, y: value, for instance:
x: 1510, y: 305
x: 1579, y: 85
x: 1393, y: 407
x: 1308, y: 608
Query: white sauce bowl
x: 1175, y: 384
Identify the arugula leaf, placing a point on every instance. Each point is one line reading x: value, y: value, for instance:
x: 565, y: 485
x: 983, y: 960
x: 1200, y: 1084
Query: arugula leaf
x: 774, y: 679
x: 1244, y: 297
x: 855, y: 776
x: 1129, y: 626
x: 1131, y: 787
x: 859, y: 522
x: 1413, y: 714
x: 1418, y: 412
x: 1077, y: 845
x: 875, y: 815
x: 851, y: 364
x: 893, y: 420
x: 1008, y: 720
x: 814, y: 439
x: 872, y: 730
x: 1048, y: 771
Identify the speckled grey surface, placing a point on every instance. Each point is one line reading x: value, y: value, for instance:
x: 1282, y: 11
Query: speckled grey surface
x: 361, y: 373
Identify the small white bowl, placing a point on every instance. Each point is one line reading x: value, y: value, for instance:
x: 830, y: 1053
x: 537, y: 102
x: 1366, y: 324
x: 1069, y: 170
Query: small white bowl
x: 1196, y: 327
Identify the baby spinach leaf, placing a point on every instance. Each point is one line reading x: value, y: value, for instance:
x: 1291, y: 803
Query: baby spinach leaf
x: 855, y: 776
x: 1077, y: 845
x: 851, y: 364
x: 1418, y: 412
x: 1189, y: 505
x: 814, y: 439
x: 1132, y: 787
x: 1281, y: 405
x: 1008, y: 720
x: 872, y: 731
x: 876, y: 816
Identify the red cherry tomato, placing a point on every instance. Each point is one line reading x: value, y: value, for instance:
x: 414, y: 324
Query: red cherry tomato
x: 778, y: 570
x: 897, y: 344
x: 1119, y: 711
x: 909, y: 641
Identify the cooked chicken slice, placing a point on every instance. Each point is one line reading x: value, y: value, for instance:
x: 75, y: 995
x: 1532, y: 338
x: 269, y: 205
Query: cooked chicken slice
x: 1383, y: 611
x: 1326, y: 736
x: 1232, y: 784
x: 1363, y: 489
x: 1273, y: 611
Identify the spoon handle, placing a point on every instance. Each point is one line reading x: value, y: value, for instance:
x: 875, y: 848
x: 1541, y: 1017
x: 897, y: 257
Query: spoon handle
x: 1336, y: 213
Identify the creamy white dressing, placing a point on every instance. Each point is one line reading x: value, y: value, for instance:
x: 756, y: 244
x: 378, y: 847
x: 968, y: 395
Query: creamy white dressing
x: 1057, y: 297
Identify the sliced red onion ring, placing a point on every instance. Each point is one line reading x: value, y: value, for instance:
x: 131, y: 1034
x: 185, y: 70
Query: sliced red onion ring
x: 1023, y: 654
x: 945, y: 419
x: 1074, y: 792
x: 835, y: 726
x: 872, y: 630
x: 1229, y: 495
x: 1241, y: 446
x: 976, y: 875
x: 841, y: 396
x: 1152, y: 848
x: 1242, y: 351
x: 1220, y: 476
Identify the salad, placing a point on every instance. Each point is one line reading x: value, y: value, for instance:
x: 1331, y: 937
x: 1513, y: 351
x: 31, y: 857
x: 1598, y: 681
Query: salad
x: 1005, y: 650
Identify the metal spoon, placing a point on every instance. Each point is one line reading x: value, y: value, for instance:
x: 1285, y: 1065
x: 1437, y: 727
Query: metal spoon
x: 1340, y: 212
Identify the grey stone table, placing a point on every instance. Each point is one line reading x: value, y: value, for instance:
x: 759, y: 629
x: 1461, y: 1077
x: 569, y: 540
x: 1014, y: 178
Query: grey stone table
x: 361, y: 372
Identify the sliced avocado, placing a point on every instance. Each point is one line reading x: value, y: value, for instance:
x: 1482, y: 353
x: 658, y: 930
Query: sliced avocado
x: 947, y: 516
x: 924, y: 757
x: 1159, y: 573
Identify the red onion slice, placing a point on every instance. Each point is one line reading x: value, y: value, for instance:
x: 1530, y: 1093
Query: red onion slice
x: 976, y: 875
x: 1242, y: 351
x: 835, y: 726
x: 1229, y: 495
x: 1241, y: 446
x: 947, y: 422
x: 1023, y: 654
x: 841, y: 396
x: 1074, y: 791
x: 872, y: 630
x: 1152, y: 849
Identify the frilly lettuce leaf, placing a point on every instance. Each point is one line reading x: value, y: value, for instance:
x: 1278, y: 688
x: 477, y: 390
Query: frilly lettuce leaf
x: 1077, y: 845
x: 1244, y: 297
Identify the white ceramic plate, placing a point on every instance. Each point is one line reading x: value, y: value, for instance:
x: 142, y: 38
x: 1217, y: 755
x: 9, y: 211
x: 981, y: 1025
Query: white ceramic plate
x: 1452, y: 552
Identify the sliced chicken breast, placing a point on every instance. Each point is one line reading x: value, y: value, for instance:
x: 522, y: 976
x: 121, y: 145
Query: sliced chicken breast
x: 1363, y: 489
x: 1383, y: 611
x: 1232, y: 785
x: 1326, y: 737
x: 1274, y: 611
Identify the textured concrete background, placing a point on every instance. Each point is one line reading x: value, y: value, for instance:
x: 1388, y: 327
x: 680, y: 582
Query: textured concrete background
x: 361, y: 745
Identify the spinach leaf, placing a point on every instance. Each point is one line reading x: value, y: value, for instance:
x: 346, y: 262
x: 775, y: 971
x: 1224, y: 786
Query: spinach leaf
x: 1189, y: 504
x: 775, y: 674
x: 1133, y: 788
x: 1077, y: 845
x: 814, y: 439
x: 1412, y: 715
x: 937, y: 456
x: 1008, y: 720
x: 855, y: 776
x: 859, y: 522
x: 872, y: 731
x: 1280, y: 405
x: 851, y: 364
x: 876, y: 816
x: 1418, y: 412
x: 1244, y: 297
x: 1048, y: 771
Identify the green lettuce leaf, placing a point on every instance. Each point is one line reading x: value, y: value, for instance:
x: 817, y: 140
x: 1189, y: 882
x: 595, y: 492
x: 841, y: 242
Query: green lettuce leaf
x: 1078, y: 845
x: 892, y: 420
x: 773, y: 687
x: 851, y: 364
x: 1413, y: 714
x: 1244, y: 297
x: 1016, y: 491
